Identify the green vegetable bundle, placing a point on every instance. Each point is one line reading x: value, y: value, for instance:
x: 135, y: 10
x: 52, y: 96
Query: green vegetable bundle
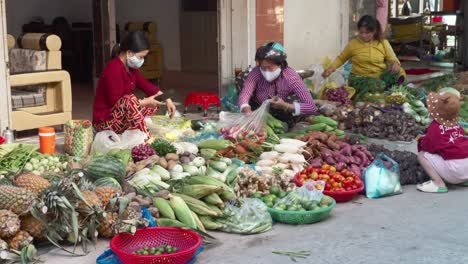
x: 418, y: 111
x: 15, y: 159
x: 163, y: 147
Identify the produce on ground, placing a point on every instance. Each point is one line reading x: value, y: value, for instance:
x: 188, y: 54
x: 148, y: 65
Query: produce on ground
x: 163, y: 147
x: 391, y: 125
x: 418, y: 111
x: 46, y: 164
x: 161, y: 250
x: 411, y: 172
x: 15, y: 157
x: 327, y: 148
x: 245, y: 150
x: 335, y: 180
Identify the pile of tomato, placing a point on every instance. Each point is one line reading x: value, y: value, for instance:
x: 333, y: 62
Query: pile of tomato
x: 335, y: 181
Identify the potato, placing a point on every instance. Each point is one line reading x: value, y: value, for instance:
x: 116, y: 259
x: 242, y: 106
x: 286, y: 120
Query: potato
x: 171, y: 164
x: 172, y: 156
x: 163, y: 163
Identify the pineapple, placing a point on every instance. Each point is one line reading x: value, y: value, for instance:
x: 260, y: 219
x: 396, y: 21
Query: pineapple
x: 92, y: 199
x: 33, y: 226
x: 18, y: 200
x: 32, y: 182
x: 107, y: 225
x: 20, y: 240
x: 9, y: 223
x: 105, y: 193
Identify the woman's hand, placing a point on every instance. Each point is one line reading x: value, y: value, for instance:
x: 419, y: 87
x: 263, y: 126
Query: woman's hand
x: 171, y: 109
x: 280, y: 104
x: 150, y: 102
x: 328, y: 72
x: 246, y: 110
x: 395, y: 68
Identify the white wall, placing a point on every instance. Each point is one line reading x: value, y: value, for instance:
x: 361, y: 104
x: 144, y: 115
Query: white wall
x: 166, y: 15
x: 19, y: 12
x: 313, y: 30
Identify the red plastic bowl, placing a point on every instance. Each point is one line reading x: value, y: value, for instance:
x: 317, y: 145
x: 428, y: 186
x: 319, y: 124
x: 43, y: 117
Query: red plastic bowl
x: 344, y: 196
x: 187, y: 242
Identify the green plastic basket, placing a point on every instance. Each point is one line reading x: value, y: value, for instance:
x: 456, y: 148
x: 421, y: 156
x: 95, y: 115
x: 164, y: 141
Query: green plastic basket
x: 301, y: 217
x: 463, y: 124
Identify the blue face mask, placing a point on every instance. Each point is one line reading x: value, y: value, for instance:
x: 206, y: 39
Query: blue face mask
x: 134, y: 62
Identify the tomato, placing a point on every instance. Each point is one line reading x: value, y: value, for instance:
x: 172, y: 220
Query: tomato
x: 331, y: 181
x: 309, y: 170
x: 350, y: 178
x: 328, y: 186
x: 354, y: 186
x: 348, y: 183
x: 348, y: 188
x: 322, y: 171
x: 326, y: 167
x: 314, y: 175
x: 325, y: 177
x: 335, y: 185
x: 333, y: 169
x: 344, y: 171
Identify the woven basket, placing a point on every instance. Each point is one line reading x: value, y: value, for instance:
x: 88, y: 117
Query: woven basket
x: 301, y: 217
x: 78, y: 137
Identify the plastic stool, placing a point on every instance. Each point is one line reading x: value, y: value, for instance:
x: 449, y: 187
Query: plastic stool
x: 203, y: 99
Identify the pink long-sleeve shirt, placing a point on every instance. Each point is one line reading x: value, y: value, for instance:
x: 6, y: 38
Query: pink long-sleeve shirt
x: 288, y: 83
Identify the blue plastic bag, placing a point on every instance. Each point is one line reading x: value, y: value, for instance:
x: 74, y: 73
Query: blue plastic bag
x: 147, y: 215
x: 381, y: 181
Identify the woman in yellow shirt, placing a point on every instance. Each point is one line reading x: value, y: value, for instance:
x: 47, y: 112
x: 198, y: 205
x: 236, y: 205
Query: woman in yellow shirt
x: 372, y: 58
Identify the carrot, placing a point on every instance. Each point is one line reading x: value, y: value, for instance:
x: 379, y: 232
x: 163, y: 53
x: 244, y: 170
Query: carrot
x: 240, y: 149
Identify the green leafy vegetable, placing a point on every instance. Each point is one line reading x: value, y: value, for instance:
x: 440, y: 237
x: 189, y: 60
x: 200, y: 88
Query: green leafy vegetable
x: 163, y: 147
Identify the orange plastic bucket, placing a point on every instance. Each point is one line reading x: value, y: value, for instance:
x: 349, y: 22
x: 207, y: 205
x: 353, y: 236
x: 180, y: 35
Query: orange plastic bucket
x: 47, y: 140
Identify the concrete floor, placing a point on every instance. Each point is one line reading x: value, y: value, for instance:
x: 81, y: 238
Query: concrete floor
x: 410, y: 228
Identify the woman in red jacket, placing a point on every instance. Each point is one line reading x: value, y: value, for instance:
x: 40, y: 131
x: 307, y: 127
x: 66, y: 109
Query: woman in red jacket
x: 443, y: 151
x: 116, y: 108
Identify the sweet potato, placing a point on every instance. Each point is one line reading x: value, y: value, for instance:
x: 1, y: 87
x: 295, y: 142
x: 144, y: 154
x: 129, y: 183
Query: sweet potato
x: 330, y: 161
x: 346, y: 150
x: 333, y: 145
x: 355, y: 169
x: 341, y: 158
x: 316, y: 163
x: 340, y: 166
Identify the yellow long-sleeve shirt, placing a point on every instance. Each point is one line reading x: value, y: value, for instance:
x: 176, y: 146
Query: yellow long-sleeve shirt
x: 368, y: 59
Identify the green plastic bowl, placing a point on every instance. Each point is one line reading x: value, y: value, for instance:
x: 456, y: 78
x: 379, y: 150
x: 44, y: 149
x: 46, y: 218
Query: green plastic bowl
x: 301, y: 217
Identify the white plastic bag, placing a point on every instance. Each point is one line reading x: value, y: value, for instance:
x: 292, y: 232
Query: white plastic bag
x: 107, y: 140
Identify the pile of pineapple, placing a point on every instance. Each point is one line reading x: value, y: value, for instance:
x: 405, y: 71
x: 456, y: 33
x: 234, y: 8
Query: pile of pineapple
x: 64, y: 210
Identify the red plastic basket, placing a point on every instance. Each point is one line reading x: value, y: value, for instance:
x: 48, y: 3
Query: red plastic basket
x: 186, y: 241
x: 2, y: 140
x: 344, y: 196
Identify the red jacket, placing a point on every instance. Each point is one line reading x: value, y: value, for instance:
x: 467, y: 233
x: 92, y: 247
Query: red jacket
x: 114, y: 83
x: 448, y: 142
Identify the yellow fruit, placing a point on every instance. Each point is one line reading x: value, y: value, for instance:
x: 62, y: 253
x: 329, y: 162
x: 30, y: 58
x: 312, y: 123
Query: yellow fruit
x: 18, y: 200
x: 107, y: 224
x: 32, y: 182
x: 33, y: 226
x: 9, y: 223
x: 105, y: 193
x: 20, y: 240
x: 91, y: 198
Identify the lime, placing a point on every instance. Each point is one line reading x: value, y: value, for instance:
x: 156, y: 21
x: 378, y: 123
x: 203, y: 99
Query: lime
x: 275, y: 190
x: 282, y: 194
x: 279, y: 208
x: 257, y: 195
x: 269, y: 204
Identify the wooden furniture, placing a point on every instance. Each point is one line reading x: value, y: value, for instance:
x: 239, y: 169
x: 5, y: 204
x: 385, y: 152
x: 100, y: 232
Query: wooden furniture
x: 41, y: 90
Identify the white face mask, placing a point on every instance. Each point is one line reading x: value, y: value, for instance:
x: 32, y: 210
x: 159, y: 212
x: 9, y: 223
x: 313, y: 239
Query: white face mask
x: 271, y: 76
x: 135, y: 62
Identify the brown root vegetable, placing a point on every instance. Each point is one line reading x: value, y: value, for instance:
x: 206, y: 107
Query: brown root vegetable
x: 172, y: 156
x: 163, y: 163
x: 171, y: 164
x: 240, y: 149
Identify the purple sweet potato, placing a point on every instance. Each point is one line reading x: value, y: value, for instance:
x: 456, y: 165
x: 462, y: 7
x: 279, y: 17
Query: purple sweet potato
x: 326, y: 153
x: 330, y: 161
x: 355, y: 169
x: 340, y: 166
x: 346, y: 151
x: 317, y: 163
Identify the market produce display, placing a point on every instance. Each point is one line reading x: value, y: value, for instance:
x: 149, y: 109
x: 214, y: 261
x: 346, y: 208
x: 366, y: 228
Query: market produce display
x: 411, y: 172
x: 328, y: 148
x: 236, y: 175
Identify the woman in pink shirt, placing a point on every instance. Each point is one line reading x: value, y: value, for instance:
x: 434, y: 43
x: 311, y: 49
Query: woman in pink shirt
x: 443, y: 151
x: 274, y: 79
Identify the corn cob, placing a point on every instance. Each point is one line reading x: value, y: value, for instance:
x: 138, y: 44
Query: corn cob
x: 227, y: 195
x: 207, y: 180
x: 218, y: 211
x: 214, y: 199
x: 198, y: 191
x: 200, y: 225
x: 170, y: 222
x: 199, y: 207
x: 210, y: 224
x: 164, y: 208
x: 182, y: 211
